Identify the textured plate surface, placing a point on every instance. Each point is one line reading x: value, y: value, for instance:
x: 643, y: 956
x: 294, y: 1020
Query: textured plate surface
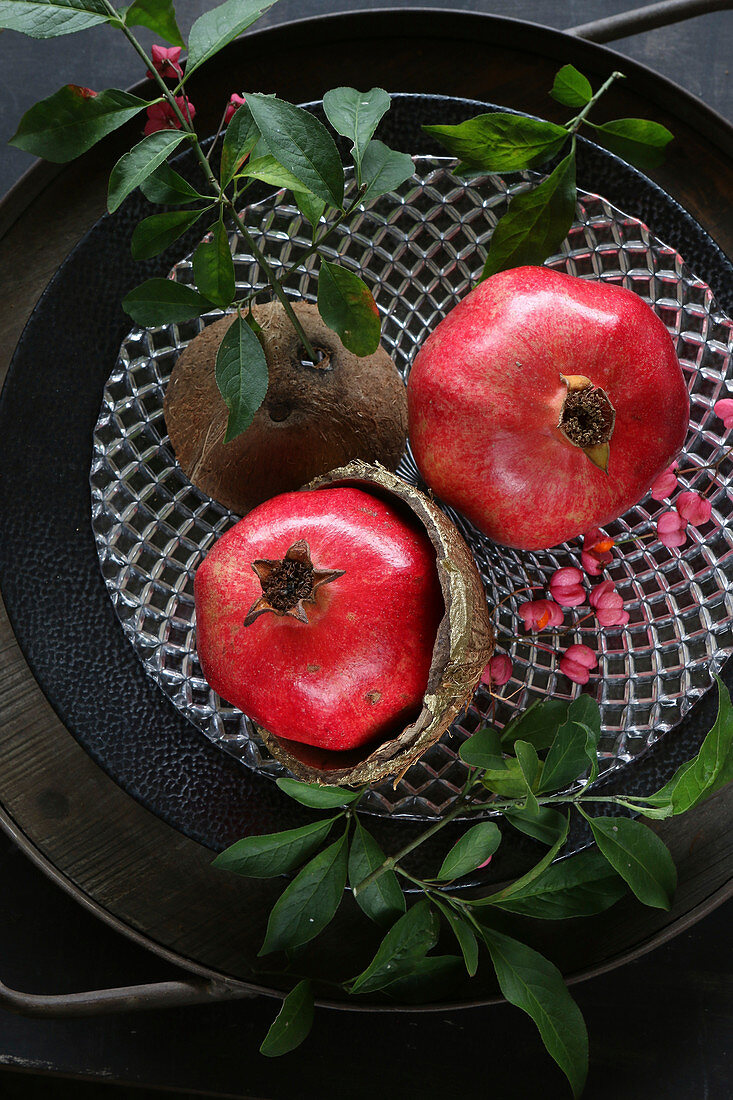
x: 421, y: 250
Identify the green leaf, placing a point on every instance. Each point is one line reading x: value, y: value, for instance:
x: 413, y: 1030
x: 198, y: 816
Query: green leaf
x: 574, y: 746
x: 407, y: 941
x: 383, y: 901
x: 71, y: 121
x: 571, y: 87
x: 135, y: 166
x: 543, y: 824
x: 158, y: 16
x: 241, y: 375
x: 310, y: 207
x: 302, y: 144
x: 537, y: 724
x: 530, y: 764
x: 310, y: 902
x: 428, y: 979
x: 154, y: 234
x: 534, y: 873
x: 213, y: 268
x: 536, y: 223
x: 163, y: 302
x: 51, y: 18
x: 346, y: 305
x: 240, y: 139
x: 509, y: 782
x: 575, y: 887
x: 268, y: 170
x: 464, y: 934
x: 483, y: 750
x: 501, y: 142
x: 534, y: 984
x: 384, y: 170
x: 215, y: 29
x: 274, y: 853
x: 709, y: 770
x: 639, y: 856
x: 356, y: 115
x: 637, y: 140
x: 292, y: 1023
x: 165, y: 187
x: 318, y: 798
x: 472, y: 849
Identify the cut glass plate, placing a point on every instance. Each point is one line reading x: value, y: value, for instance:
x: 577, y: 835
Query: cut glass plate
x: 421, y: 250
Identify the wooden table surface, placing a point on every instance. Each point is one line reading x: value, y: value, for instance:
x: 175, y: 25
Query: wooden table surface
x: 660, y: 1027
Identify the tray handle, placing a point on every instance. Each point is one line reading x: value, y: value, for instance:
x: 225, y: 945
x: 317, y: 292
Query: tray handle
x: 627, y: 23
x: 129, y: 998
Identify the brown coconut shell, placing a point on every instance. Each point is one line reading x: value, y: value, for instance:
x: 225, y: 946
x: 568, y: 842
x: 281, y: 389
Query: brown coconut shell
x: 463, y: 646
x: 313, y: 418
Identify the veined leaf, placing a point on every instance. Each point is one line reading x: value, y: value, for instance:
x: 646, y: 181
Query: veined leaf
x: 310, y: 902
x: 483, y: 750
x: 427, y: 979
x: 158, y: 16
x: 72, y: 120
x: 241, y: 375
x: 384, y: 900
x: 534, y: 873
x: 407, y: 942
x: 240, y: 139
x: 318, y: 798
x: 543, y: 824
x: 213, y: 268
x: 501, y: 142
x: 311, y: 208
x: 154, y: 234
x: 356, y: 115
x: 578, y: 886
x: 135, y: 166
x: 538, y: 724
x: 51, y: 18
x: 638, y: 140
x: 574, y: 746
x: 536, y: 223
x: 215, y: 29
x: 292, y: 1023
x: 384, y: 170
x: 534, y: 984
x: 274, y: 853
x: 571, y: 87
x: 464, y: 934
x: 530, y: 764
x: 707, y: 772
x: 268, y: 170
x: 639, y: 856
x: 509, y: 782
x: 346, y: 304
x: 167, y: 188
x: 302, y: 144
x: 163, y: 302
x: 471, y: 850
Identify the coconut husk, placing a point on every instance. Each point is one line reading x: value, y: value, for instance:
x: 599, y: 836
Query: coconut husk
x: 463, y: 647
x: 313, y: 418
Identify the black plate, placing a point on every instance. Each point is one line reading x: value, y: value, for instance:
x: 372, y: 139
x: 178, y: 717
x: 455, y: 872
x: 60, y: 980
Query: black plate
x: 49, y: 571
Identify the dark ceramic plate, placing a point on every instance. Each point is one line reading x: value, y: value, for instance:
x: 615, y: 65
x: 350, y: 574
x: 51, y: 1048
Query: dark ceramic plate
x: 49, y: 571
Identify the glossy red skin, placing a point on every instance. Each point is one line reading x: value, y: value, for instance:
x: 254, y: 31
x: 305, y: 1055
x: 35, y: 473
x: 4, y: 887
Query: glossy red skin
x: 485, y: 396
x: 359, y: 668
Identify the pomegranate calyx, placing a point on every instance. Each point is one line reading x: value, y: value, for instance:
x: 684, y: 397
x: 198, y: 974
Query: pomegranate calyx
x: 289, y: 583
x: 587, y: 419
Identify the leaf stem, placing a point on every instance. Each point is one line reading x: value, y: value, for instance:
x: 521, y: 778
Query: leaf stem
x: 218, y: 192
x: 574, y: 123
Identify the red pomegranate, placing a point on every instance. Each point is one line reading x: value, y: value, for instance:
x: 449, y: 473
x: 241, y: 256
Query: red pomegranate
x: 544, y: 405
x: 317, y: 616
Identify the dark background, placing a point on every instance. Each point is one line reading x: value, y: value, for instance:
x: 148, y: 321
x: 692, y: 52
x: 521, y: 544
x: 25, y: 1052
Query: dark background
x: 660, y: 1027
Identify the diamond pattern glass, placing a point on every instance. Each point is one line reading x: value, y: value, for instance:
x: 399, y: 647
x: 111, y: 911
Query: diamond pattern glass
x: 421, y: 251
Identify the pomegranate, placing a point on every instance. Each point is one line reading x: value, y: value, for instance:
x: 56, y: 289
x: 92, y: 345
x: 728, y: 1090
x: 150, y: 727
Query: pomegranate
x: 317, y: 615
x: 544, y: 405
x: 331, y: 617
